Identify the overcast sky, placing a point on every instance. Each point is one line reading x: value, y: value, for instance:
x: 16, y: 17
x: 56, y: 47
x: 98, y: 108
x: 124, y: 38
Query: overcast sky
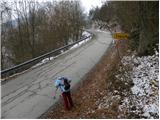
x: 88, y: 4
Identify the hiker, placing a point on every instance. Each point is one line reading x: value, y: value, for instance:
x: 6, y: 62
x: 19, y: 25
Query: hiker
x: 64, y: 84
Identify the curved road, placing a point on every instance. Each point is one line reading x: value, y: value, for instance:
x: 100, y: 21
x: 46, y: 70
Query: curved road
x: 29, y: 95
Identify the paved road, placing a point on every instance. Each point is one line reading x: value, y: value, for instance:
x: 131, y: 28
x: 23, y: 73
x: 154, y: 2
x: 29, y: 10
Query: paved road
x: 29, y: 95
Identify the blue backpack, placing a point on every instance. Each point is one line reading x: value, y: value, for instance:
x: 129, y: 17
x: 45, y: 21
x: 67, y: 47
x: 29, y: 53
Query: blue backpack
x: 65, y: 84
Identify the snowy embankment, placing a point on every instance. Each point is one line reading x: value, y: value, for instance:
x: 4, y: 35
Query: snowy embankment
x: 84, y: 34
x: 144, y: 98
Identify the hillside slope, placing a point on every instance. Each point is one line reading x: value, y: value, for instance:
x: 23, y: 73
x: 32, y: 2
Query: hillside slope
x: 109, y: 89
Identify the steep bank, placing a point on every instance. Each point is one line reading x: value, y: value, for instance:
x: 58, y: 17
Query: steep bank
x: 122, y: 85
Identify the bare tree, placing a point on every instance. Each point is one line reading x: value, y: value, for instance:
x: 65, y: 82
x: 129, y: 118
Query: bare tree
x: 43, y: 27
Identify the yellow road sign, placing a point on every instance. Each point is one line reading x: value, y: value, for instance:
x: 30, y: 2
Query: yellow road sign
x: 120, y: 36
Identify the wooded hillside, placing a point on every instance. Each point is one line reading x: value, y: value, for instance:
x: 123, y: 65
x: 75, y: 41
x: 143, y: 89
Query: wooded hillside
x: 138, y: 18
x: 34, y: 28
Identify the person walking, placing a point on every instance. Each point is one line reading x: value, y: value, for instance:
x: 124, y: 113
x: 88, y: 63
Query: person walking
x: 64, y: 85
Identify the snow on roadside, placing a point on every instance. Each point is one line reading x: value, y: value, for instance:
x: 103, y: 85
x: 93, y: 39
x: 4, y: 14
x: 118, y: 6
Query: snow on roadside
x: 79, y: 44
x: 84, y: 34
x: 104, y: 31
x: 144, y: 99
x: 43, y: 61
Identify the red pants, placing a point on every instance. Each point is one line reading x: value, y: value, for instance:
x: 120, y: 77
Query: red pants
x: 68, y: 103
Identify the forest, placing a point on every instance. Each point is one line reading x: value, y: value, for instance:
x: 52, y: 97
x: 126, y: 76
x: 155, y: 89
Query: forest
x: 139, y: 19
x: 31, y: 28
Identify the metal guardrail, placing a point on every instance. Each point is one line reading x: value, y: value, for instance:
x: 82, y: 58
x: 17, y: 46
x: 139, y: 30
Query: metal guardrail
x: 25, y: 65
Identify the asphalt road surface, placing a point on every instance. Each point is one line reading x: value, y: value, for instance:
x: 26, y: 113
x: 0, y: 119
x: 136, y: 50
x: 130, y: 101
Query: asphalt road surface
x: 29, y: 95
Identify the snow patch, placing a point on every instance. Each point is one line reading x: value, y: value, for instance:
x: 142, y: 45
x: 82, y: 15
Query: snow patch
x: 84, y: 34
x: 145, y: 92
